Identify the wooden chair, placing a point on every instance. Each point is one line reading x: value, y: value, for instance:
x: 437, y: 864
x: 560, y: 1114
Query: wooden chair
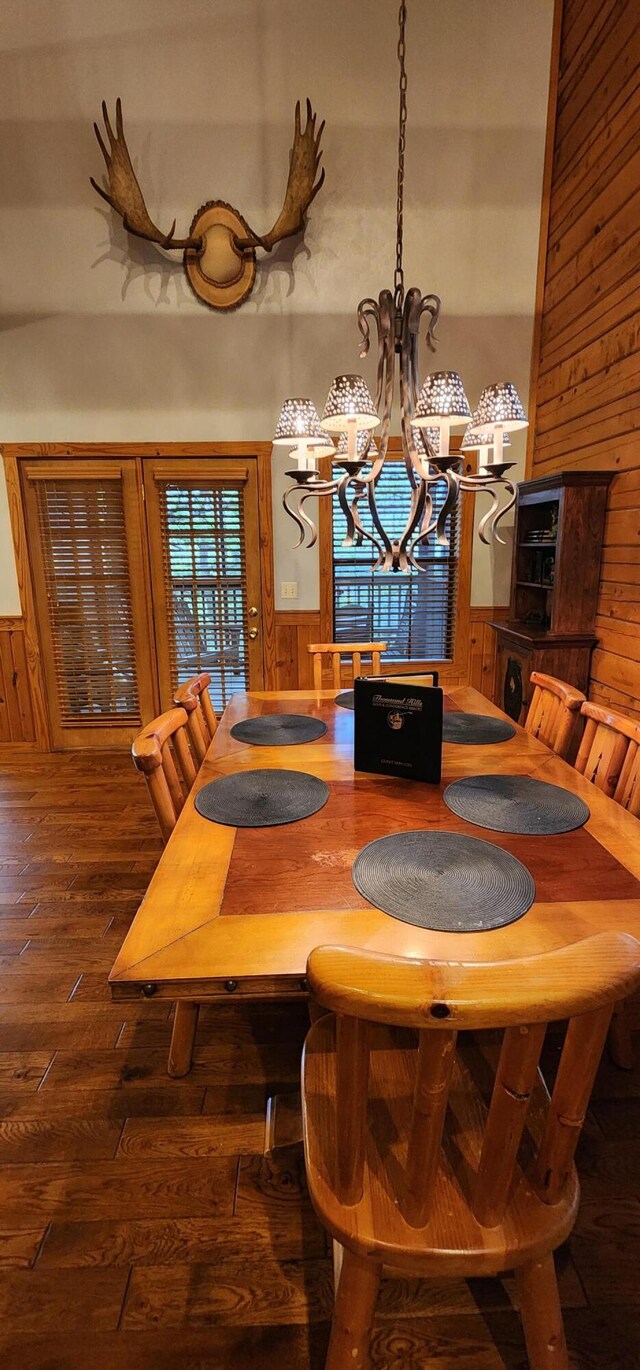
x: 609, y: 756
x: 201, y: 720
x: 553, y: 712
x: 161, y: 751
x: 442, y: 1157
x: 335, y: 650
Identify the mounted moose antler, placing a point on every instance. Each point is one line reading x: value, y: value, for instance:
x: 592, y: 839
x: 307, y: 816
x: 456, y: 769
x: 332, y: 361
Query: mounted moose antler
x: 125, y: 194
x: 219, y: 254
x: 304, y: 161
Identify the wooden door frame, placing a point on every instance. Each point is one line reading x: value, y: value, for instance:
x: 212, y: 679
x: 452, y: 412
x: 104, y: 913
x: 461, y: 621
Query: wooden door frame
x: 14, y: 453
x: 452, y: 670
x: 94, y: 733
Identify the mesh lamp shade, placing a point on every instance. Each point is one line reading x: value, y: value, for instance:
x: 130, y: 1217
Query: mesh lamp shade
x: 298, y: 422
x: 349, y: 403
x: 442, y: 401
x: 500, y: 407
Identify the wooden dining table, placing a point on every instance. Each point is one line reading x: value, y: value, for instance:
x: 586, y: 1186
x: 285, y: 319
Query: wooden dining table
x: 237, y: 911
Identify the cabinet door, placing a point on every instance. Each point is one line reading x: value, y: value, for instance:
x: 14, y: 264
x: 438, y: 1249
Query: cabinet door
x: 513, y: 690
x: 204, y: 539
x: 85, y: 528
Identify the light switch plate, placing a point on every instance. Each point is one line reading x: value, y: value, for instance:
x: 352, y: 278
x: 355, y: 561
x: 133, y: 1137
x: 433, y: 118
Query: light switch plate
x: 289, y: 589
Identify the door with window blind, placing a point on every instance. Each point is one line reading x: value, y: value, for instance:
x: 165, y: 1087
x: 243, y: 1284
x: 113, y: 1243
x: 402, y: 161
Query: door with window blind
x: 202, y: 520
x: 86, y: 542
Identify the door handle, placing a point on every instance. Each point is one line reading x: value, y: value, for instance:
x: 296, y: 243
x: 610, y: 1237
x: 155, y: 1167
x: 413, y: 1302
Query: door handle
x: 253, y: 633
x: 253, y: 612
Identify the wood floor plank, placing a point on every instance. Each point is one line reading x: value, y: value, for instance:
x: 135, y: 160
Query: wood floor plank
x: 87, y: 1300
x: 20, y: 1246
x: 219, y: 1348
x: 41, y: 986
x: 117, y: 1189
x: 183, y: 1241
x: 58, y: 1036
x: 156, y: 1101
x: 85, y: 1014
x: 106, y: 1069
x: 241, y: 1293
x: 605, y: 1246
x: 25, y: 1069
x: 25, y: 1140
x: 268, y: 1182
x: 195, y: 1137
x: 35, y: 928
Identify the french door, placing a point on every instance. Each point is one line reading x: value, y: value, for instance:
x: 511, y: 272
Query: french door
x: 202, y: 519
x: 146, y: 571
x: 86, y: 535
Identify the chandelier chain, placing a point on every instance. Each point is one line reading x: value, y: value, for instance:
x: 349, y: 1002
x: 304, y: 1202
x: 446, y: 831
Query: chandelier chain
x: 398, y: 279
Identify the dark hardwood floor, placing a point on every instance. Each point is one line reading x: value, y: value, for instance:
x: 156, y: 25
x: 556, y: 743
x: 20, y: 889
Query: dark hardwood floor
x: 139, y: 1224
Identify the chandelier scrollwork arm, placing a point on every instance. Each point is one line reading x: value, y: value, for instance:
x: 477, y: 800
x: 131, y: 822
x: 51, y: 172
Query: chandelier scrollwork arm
x: 440, y: 405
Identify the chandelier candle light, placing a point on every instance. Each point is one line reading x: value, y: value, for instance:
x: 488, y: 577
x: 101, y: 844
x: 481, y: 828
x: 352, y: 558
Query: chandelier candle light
x: 427, y: 417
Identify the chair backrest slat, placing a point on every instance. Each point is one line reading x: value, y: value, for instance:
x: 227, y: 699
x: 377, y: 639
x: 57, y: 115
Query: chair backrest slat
x: 553, y: 712
x: 352, y: 1079
x: 584, y: 1042
x: 172, y: 778
x: 335, y: 651
x: 515, y: 1079
x: 161, y: 751
x: 436, y: 1055
x: 609, y: 755
x: 580, y: 982
x: 202, y: 723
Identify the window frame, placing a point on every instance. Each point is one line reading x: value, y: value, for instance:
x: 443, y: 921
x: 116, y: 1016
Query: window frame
x: 453, y: 670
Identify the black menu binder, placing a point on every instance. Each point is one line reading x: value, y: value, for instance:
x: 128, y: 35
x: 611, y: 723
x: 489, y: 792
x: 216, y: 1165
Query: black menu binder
x: 398, y: 726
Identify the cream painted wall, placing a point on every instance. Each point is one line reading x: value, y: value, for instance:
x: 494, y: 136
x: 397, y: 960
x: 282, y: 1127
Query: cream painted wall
x: 100, y: 337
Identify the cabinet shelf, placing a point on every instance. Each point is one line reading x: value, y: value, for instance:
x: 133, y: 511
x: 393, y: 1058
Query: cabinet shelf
x: 539, y: 545
x: 533, y: 585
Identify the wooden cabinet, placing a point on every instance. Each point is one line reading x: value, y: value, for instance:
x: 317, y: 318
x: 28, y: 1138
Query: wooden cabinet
x: 555, y: 579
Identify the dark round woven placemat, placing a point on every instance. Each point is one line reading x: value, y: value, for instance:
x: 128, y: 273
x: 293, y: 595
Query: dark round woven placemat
x: 444, y: 881
x: 515, y: 803
x: 475, y: 728
x: 345, y: 699
x: 278, y: 730
x: 261, y: 799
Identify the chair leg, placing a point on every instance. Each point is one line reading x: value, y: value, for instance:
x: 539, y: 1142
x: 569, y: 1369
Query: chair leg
x: 620, y: 1038
x: 183, y: 1037
x: 542, y: 1315
x: 353, y: 1314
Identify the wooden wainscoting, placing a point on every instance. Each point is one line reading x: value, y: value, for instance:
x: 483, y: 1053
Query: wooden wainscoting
x: 585, y: 402
x: 17, y: 721
x: 482, y: 647
x: 295, y: 629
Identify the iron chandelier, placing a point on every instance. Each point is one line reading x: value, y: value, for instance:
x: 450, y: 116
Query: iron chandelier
x: 427, y: 417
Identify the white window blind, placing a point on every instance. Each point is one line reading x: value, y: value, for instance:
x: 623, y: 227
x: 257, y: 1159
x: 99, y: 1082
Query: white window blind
x: 413, y: 613
x: 84, y: 552
x: 205, y: 583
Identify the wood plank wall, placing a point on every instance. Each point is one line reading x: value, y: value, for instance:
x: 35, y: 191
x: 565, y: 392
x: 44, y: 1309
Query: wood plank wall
x: 587, y: 400
x: 16, y: 710
x: 296, y: 629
